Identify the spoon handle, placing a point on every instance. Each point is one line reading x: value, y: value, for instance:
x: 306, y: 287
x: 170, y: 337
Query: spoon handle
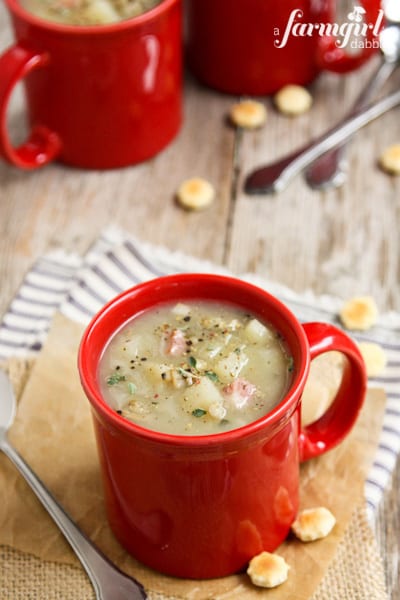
x: 108, y: 581
x: 330, y: 170
x: 276, y: 176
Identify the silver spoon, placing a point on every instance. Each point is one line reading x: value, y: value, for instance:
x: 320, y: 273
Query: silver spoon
x: 108, y: 581
x: 276, y: 176
x: 331, y: 169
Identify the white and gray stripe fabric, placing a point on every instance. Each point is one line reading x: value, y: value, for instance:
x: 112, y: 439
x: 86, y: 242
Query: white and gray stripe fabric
x: 24, y: 326
x: 78, y: 287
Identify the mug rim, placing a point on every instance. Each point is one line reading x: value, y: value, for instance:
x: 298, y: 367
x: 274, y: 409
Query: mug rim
x: 278, y: 414
x: 17, y: 9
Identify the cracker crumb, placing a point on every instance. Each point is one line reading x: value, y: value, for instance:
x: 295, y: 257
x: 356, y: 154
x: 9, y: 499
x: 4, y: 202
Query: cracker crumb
x: 293, y: 100
x: 195, y: 194
x: 359, y: 313
x: 374, y: 358
x: 389, y: 160
x: 268, y: 570
x: 249, y: 114
x: 313, y: 524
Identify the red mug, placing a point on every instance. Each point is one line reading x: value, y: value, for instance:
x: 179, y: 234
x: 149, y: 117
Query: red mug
x: 98, y: 96
x: 255, y: 47
x: 202, y: 506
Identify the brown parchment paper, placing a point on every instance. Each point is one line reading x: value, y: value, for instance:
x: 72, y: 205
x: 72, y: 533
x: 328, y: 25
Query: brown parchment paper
x: 53, y: 432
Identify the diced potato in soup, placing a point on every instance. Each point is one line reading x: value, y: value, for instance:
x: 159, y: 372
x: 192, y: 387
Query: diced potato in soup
x: 205, y: 396
x: 195, y: 368
x: 256, y: 331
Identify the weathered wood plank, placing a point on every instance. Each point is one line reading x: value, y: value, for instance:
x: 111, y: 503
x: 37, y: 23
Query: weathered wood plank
x: 341, y: 242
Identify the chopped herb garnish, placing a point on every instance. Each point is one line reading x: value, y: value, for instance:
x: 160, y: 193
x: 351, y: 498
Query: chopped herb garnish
x: 187, y: 318
x: 192, y: 362
x: 211, y: 375
x: 237, y: 350
x: 115, y: 378
x: 183, y: 372
x: 199, y: 412
x: 290, y: 364
x: 131, y: 387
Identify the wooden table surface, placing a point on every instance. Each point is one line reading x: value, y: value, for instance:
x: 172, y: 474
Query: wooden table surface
x: 343, y: 242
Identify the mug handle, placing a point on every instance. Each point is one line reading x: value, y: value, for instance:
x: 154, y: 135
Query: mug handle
x: 42, y: 145
x: 336, y: 422
x: 337, y: 60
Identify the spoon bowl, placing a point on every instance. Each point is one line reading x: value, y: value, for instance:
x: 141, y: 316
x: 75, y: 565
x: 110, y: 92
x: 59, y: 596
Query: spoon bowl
x: 330, y: 170
x: 108, y: 581
x: 389, y: 40
x: 8, y: 408
x: 276, y: 176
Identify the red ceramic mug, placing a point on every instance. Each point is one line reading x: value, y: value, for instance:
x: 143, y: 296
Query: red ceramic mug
x: 257, y: 46
x: 202, y: 506
x: 98, y: 96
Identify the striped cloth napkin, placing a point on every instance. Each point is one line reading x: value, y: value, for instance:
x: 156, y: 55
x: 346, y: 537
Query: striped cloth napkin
x: 79, y: 286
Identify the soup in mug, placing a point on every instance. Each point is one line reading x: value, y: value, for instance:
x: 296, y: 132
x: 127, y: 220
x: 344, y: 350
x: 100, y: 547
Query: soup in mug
x: 195, y: 368
x: 88, y: 12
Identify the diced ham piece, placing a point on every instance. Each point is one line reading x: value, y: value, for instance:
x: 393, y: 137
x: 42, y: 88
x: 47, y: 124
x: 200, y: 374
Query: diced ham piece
x: 176, y: 343
x: 239, y: 392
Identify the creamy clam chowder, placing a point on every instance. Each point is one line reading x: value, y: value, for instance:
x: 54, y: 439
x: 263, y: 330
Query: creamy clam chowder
x: 88, y: 12
x: 195, y: 368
